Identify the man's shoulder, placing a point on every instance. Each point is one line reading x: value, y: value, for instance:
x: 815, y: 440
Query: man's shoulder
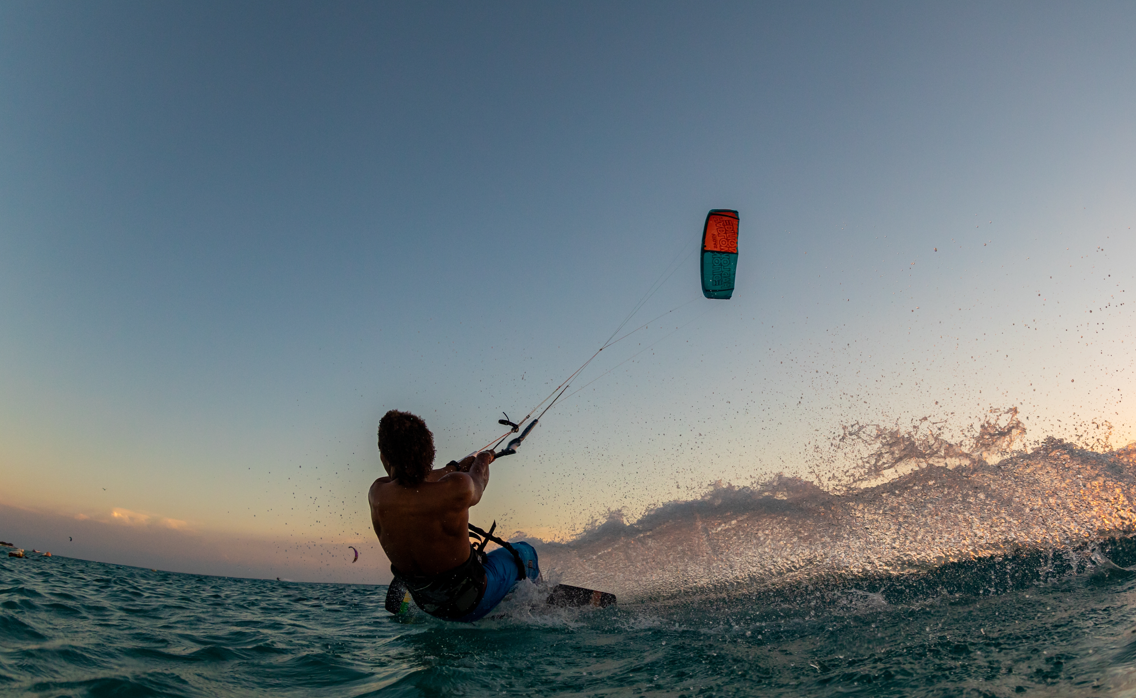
x: 450, y: 490
x: 380, y: 482
x: 452, y: 482
x: 456, y: 481
x: 377, y: 486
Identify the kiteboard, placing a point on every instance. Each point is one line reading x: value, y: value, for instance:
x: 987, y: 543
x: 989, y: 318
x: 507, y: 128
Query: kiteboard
x: 563, y: 596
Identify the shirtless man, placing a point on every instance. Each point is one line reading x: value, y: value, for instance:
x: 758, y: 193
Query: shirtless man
x: 421, y: 516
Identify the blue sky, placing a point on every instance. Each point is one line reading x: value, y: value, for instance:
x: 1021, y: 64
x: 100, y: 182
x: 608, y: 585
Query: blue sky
x: 232, y: 237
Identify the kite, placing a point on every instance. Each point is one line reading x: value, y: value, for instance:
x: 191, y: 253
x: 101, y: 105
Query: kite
x: 356, y: 554
x: 719, y: 253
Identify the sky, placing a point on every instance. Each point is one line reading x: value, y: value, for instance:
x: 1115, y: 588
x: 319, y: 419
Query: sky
x: 233, y: 236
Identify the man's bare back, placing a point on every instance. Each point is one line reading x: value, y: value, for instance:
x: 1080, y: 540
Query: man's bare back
x: 424, y: 529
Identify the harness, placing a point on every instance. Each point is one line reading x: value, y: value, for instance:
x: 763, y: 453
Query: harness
x: 486, y: 536
x: 457, y: 592
x: 451, y: 594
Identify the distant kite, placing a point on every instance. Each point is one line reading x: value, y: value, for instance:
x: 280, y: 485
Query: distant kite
x: 356, y: 554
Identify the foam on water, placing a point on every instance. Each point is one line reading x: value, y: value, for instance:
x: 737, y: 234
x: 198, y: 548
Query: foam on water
x: 909, y: 501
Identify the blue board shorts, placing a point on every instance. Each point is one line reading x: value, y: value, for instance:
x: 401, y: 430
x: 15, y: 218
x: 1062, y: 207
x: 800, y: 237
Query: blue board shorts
x: 501, y: 573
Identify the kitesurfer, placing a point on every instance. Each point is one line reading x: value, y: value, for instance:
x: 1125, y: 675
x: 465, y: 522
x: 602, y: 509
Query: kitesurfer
x: 421, y: 516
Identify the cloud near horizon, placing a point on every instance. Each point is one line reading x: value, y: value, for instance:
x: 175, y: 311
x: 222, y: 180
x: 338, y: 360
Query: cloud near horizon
x: 135, y: 518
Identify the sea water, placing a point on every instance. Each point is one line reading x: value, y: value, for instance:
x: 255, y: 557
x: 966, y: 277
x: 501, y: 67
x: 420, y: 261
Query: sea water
x: 1027, y: 624
x: 959, y: 576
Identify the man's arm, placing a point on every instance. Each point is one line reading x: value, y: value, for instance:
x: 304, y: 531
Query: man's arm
x: 479, y: 473
x: 468, y: 481
x: 449, y: 468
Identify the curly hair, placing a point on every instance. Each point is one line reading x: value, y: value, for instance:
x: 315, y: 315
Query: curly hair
x: 407, y: 445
